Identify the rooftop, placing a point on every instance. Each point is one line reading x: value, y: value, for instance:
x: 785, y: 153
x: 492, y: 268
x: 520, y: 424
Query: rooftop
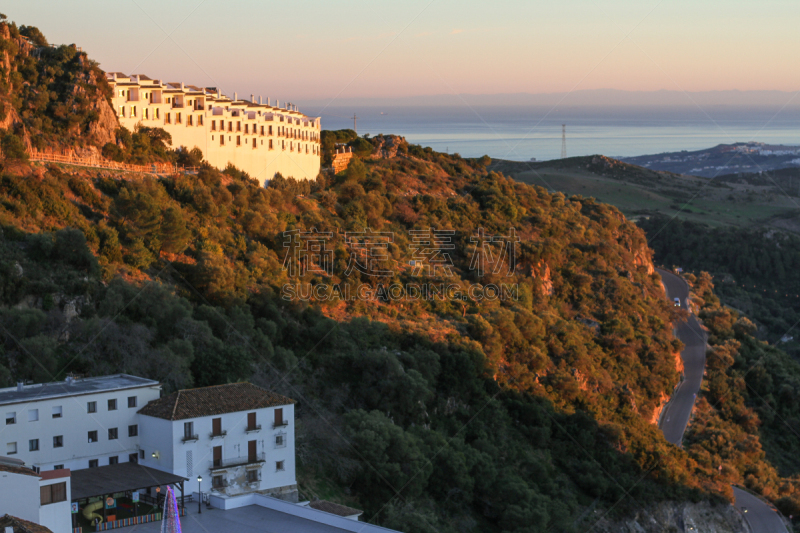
x: 18, y: 525
x: 77, y: 387
x: 279, y: 517
x: 15, y: 466
x: 216, y: 400
x: 334, y: 508
x: 121, y: 477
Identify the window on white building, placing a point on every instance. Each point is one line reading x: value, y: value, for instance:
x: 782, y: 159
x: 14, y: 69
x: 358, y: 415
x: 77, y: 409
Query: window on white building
x: 58, y: 441
x: 11, y: 448
x: 33, y: 415
x: 252, y: 476
x: 94, y: 463
x: 188, y: 430
x: 112, y: 405
x: 92, y: 436
x: 113, y: 460
x: 132, y: 401
x: 133, y: 430
x: 11, y: 418
x: 57, y: 411
x: 280, y: 440
x: 33, y: 445
x: 57, y: 492
x: 58, y: 467
x: 91, y: 407
x: 217, y: 481
x: 279, y: 466
x: 112, y: 433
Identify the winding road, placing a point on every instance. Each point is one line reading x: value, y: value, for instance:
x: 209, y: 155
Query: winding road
x: 675, y: 416
x: 761, y: 516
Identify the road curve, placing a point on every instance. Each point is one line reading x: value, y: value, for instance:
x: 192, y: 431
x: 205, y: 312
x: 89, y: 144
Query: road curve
x: 676, y: 413
x: 761, y: 516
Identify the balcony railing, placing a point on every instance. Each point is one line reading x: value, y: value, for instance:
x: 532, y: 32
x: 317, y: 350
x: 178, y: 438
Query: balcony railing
x: 280, y: 424
x: 221, y: 434
x: 187, y: 438
x: 250, y: 429
x: 217, y: 464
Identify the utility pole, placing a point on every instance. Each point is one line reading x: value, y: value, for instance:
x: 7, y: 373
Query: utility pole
x: 354, y: 123
x: 563, y: 141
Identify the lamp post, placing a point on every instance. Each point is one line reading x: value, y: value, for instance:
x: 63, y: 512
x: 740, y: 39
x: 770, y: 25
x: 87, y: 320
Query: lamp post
x: 199, y: 495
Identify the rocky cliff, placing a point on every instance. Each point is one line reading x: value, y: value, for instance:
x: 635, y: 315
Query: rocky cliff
x: 674, y: 517
x: 54, y: 98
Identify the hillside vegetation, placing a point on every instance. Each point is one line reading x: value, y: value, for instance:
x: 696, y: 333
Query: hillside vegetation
x: 532, y: 412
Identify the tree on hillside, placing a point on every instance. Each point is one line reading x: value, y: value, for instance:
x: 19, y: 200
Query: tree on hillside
x: 174, y: 234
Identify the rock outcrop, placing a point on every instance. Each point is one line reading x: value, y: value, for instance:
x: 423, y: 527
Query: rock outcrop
x: 667, y: 517
x: 387, y: 146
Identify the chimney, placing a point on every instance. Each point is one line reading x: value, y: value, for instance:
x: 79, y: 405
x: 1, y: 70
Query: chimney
x: 20, y: 386
x: 235, y: 96
x: 181, y: 86
x: 252, y: 98
x: 219, y: 93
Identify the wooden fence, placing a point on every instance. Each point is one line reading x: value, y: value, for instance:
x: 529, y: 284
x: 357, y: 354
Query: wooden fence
x: 101, y: 162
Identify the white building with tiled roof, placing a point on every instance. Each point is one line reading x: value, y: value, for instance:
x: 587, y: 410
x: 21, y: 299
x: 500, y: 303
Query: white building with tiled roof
x: 238, y: 438
x: 257, y: 137
x: 36, y: 502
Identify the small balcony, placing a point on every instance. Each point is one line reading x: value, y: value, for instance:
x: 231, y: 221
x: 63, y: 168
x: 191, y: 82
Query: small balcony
x: 218, y: 435
x: 190, y: 438
x: 276, y: 425
x: 252, y: 429
x: 219, y: 464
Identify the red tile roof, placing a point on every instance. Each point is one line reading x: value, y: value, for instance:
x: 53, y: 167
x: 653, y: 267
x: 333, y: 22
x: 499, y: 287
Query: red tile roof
x: 209, y: 401
x: 334, y: 508
x: 55, y: 474
x: 24, y: 470
x: 21, y: 526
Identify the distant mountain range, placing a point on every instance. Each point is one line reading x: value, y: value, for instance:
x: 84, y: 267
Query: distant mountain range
x: 597, y: 97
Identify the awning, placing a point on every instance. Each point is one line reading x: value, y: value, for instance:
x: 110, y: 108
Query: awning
x: 121, y: 477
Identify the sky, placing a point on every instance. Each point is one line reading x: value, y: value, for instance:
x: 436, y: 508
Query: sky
x: 303, y: 50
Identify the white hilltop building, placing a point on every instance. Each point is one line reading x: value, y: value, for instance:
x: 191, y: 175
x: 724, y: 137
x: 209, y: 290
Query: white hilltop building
x: 238, y: 438
x: 257, y: 137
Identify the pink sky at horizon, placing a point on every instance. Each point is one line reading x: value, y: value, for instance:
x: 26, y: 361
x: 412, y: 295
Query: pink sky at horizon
x: 314, y: 50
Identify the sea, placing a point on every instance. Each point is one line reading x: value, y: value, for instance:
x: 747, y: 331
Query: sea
x: 521, y: 133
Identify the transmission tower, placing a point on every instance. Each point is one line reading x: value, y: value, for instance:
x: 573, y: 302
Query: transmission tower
x: 563, y: 141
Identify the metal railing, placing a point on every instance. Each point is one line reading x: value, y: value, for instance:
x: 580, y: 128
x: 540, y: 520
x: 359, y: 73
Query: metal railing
x: 217, y: 464
x: 101, y: 162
